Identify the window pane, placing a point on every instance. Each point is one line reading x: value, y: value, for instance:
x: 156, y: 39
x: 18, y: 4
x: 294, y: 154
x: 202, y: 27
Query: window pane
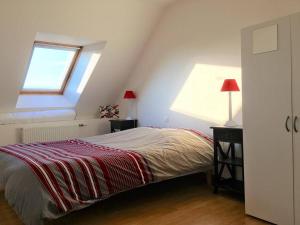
x: 48, y: 68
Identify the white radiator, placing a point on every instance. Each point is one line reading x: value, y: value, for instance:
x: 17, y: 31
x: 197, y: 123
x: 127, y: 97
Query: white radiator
x: 51, y: 133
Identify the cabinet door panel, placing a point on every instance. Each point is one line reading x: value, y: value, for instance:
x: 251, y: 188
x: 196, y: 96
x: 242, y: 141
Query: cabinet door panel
x: 295, y: 28
x: 267, y: 145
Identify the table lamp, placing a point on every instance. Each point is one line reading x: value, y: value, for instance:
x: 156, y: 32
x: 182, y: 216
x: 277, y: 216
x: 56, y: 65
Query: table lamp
x: 230, y: 85
x: 129, y: 95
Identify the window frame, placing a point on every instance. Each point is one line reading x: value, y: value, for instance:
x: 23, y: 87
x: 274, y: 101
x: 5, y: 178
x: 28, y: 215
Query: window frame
x: 68, y: 74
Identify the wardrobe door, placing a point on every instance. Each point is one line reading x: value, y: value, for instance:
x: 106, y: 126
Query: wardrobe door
x: 295, y: 27
x: 267, y: 121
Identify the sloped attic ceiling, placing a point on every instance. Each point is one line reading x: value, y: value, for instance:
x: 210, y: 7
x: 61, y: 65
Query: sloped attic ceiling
x: 124, y: 24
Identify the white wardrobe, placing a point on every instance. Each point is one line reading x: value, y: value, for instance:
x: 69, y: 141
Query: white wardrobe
x: 271, y: 119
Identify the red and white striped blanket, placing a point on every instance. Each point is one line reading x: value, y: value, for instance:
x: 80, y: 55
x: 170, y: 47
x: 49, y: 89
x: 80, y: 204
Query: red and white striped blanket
x: 76, y: 172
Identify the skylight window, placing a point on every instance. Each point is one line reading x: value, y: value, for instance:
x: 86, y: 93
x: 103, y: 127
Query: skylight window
x: 50, y: 68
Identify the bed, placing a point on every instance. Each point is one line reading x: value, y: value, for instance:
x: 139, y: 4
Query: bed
x: 49, y: 180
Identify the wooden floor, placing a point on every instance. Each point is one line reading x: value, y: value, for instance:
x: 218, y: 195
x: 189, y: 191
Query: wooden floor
x: 184, y: 201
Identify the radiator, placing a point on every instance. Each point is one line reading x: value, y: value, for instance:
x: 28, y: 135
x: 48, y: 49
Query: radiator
x: 51, y: 133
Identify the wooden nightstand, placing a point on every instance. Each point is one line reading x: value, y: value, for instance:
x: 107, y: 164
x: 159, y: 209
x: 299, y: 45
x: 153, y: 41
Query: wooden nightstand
x: 118, y: 125
x: 229, y: 158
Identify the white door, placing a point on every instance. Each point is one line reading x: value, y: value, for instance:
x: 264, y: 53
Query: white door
x: 295, y: 28
x: 266, y: 109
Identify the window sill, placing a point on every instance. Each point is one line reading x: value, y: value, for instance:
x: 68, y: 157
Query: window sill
x: 37, y: 116
x: 43, y: 102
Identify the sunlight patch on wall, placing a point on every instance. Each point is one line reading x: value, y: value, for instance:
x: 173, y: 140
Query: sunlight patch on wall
x: 201, y: 98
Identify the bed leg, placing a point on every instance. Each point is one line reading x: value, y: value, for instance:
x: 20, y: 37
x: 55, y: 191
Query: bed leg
x: 209, y: 178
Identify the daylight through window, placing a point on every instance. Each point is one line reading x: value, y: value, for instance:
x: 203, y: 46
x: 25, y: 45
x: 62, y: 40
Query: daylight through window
x: 50, y: 68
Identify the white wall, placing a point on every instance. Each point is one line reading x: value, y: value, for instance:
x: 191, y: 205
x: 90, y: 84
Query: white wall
x: 195, y: 46
x: 11, y: 133
x: 125, y: 25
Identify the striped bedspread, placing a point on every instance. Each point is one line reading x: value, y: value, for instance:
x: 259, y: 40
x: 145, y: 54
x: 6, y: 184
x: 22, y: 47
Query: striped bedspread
x: 77, y: 172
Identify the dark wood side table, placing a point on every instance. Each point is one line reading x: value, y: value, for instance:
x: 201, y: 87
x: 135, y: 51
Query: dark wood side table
x: 228, y: 158
x: 118, y: 125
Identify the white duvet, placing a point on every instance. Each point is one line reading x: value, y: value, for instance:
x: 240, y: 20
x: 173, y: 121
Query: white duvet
x: 169, y: 152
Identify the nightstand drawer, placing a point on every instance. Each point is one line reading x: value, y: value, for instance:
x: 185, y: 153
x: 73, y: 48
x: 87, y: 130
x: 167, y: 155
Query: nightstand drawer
x: 235, y: 135
x: 119, y: 125
x: 116, y: 124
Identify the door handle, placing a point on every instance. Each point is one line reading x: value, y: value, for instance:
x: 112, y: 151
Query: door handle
x: 295, y: 124
x: 286, y: 124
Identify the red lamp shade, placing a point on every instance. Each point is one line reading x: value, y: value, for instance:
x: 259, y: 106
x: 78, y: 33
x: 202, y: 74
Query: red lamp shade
x: 230, y: 85
x: 129, y: 95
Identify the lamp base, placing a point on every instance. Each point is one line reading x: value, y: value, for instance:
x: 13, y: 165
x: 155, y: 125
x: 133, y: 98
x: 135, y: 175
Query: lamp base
x: 231, y: 123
